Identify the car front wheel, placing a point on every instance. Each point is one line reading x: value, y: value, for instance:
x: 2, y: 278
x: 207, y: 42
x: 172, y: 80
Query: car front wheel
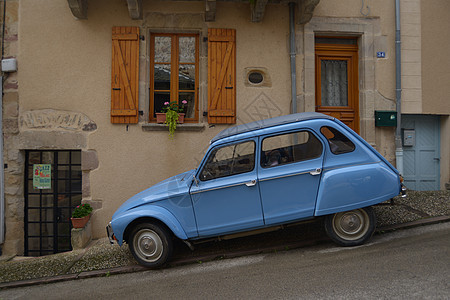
x: 351, y: 228
x: 151, y: 245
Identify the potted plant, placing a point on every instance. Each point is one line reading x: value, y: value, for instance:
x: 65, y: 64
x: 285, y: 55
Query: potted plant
x: 173, y: 113
x: 81, y: 215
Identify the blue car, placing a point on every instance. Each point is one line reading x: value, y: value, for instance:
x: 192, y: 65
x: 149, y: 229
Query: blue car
x: 258, y: 176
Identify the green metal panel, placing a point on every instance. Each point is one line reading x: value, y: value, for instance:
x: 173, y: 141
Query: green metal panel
x: 385, y: 118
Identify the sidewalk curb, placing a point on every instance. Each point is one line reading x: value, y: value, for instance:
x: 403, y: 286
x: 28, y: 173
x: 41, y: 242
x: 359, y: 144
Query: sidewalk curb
x: 138, y: 268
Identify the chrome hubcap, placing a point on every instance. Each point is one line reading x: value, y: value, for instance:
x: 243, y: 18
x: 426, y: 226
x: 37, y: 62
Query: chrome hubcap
x: 351, y: 225
x: 148, y: 245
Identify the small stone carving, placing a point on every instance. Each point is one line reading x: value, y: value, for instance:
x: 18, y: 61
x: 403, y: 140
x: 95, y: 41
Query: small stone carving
x: 55, y: 120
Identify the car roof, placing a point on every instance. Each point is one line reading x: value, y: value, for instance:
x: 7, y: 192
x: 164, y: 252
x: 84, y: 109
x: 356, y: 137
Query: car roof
x: 266, y: 123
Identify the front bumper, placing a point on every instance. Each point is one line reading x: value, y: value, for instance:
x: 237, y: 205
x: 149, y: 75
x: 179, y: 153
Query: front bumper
x: 110, y: 233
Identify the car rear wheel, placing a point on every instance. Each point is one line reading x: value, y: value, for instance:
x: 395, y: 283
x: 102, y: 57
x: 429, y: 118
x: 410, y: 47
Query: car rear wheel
x: 351, y: 228
x: 151, y: 245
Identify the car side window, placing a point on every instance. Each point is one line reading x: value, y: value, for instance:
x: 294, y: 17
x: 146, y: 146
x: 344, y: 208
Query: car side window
x: 289, y: 148
x: 339, y: 143
x: 229, y: 160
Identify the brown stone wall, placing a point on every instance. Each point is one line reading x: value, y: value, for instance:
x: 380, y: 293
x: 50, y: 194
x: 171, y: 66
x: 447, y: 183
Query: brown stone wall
x: 13, y: 170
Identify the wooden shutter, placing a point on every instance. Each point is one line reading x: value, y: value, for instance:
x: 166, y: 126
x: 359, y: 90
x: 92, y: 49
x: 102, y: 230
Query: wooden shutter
x: 221, y: 76
x: 125, y: 75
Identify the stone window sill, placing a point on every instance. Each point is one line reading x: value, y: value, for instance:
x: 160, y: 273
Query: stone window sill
x: 180, y: 127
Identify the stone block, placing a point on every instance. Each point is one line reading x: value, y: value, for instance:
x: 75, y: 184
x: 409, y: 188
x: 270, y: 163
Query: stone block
x: 89, y: 160
x: 10, y: 126
x: 86, y: 185
x: 81, y: 237
x: 10, y: 110
x: 96, y: 204
x: 11, y: 97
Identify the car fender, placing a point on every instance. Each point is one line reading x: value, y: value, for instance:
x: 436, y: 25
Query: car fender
x: 121, y: 222
x: 353, y: 187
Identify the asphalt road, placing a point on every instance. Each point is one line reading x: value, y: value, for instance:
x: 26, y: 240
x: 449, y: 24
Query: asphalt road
x: 407, y: 264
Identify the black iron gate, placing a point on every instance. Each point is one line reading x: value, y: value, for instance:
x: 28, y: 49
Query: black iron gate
x: 48, y: 209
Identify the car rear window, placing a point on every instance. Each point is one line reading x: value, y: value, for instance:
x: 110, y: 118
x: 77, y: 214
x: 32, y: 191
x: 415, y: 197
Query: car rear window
x: 339, y: 143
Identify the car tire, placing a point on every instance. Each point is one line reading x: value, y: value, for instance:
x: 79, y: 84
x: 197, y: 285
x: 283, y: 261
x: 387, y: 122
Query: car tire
x: 351, y: 228
x: 151, y: 244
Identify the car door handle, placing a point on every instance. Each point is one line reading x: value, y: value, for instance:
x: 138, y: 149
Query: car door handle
x: 316, y: 171
x: 251, y: 183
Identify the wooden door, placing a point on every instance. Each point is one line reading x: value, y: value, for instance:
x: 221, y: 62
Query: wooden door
x: 337, y: 92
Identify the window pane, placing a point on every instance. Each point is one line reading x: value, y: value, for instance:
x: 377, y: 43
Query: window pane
x: 334, y: 84
x: 187, y: 49
x: 76, y: 172
x: 63, y: 228
x: 47, y: 229
x: 34, y: 158
x: 34, y: 201
x: 76, y: 157
x: 76, y: 200
x: 64, y: 244
x: 63, y: 172
x: 64, y: 214
x: 34, y: 229
x: 189, y: 107
x: 63, y: 200
x: 159, y: 99
x: 75, y: 186
x: 338, y: 142
x: 290, y: 148
x: 34, y: 215
x: 33, y: 244
x: 162, y: 77
x: 47, y: 200
x: 63, y: 157
x: 186, y: 77
x: 338, y: 41
x: 47, y: 244
x: 229, y: 160
x: 47, y: 215
x: 47, y: 158
x: 63, y: 186
x: 163, y: 48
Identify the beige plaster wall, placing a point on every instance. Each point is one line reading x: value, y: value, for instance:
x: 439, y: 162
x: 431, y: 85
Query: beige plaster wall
x: 435, y: 63
x: 65, y: 65
x: 65, y: 68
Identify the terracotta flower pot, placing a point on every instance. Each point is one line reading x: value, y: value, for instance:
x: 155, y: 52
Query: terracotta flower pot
x: 80, y: 222
x: 161, y: 118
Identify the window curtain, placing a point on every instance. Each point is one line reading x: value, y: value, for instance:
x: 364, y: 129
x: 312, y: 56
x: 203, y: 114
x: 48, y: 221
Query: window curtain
x: 334, y: 84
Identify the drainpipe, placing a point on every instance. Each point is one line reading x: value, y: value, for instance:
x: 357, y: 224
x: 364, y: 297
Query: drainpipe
x: 2, y: 170
x: 292, y: 56
x: 398, y: 90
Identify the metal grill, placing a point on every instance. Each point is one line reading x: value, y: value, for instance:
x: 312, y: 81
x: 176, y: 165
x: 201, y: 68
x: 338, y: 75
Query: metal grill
x: 48, y: 211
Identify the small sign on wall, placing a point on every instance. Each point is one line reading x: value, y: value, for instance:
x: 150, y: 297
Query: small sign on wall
x: 42, y: 176
x: 381, y: 54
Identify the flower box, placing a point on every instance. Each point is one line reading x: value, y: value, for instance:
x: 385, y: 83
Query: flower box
x: 161, y: 118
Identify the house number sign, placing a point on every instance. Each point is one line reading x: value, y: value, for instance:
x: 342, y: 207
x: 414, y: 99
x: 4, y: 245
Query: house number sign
x: 42, y: 176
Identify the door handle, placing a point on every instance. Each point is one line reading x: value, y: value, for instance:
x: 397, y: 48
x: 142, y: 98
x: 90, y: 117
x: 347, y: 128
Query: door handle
x: 316, y: 171
x: 251, y: 183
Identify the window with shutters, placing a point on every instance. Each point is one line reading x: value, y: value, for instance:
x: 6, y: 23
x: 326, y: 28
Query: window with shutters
x: 174, y: 73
